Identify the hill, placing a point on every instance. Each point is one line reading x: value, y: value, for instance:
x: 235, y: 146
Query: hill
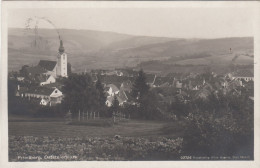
x: 89, y: 49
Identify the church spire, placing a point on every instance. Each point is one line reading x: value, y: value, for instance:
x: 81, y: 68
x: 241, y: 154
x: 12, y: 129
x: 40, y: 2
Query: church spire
x: 61, y: 49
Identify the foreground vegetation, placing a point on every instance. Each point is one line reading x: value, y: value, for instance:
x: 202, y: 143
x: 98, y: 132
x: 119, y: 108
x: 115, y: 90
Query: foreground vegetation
x: 29, y: 148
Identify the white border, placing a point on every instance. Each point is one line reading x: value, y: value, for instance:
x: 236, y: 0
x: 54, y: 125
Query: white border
x: 6, y: 5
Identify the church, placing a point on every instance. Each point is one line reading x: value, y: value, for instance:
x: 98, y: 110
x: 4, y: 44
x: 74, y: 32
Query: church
x: 56, y: 68
x: 47, y: 71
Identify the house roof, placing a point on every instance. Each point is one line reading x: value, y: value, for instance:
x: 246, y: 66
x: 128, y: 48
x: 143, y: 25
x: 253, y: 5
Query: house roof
x: 163, y: 80
x: 126, y: 86
x: 114, y: 88
x: 41, y: 90
x: 116, y: 80
x: 47, y: 65
x: 123, y: 96
x: 243, y: 73
x: 42, y: 78
x: 54, y: 85
x: 22, y: 89
x: 129, y: 96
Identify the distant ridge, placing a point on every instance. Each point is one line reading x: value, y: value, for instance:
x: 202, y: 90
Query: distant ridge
x: 90, y: 49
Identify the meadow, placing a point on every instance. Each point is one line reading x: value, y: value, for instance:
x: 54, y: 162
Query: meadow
x: 44, y: 139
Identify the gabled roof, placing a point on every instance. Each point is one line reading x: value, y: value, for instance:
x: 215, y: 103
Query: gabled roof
x: 123, y: 96
x: 159, y: 81
x: 47, y: 65
x: 113, y: 87
x: 126, y: 86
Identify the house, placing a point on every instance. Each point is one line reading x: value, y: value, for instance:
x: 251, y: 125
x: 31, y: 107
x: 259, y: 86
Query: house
x: 53, y: 95
x: 244, y: 74
x: 126, y: 86
x: 44, y: 102
x: 177, y: 84
x: 46, y: 79
x: 111, y: 89
x: 110, y: 99
x: 20, y: 78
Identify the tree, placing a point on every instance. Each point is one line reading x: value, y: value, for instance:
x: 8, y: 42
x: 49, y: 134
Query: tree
x: 146, y: 99
x: 222, y: 125
x: 80, y: 94
x: 115, y: 105
x: 140, y: 88
x: 101, y: 93
x: 23, y: 71
x: 69, y: 69
x: 149, y: 106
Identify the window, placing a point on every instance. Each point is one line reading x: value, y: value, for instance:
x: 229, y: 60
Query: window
x: 56, y: 91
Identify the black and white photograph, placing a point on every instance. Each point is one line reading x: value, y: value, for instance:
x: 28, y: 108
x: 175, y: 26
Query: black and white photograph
x: 105, y: 82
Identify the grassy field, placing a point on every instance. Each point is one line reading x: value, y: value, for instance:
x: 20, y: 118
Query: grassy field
x: 59, y: 128
x: 39, y: 139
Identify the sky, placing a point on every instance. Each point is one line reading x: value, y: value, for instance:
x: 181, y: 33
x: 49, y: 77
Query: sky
x: 167, y: 22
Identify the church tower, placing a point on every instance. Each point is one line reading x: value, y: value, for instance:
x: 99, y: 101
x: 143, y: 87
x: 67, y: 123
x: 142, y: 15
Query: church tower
x: 62, y: 62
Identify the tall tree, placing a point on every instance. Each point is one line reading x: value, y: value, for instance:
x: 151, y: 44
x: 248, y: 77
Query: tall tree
x: 115, y: 104
x: 140, y: 87
x: 80, y: 94
x: 101, y: 93
x: 69, y: 69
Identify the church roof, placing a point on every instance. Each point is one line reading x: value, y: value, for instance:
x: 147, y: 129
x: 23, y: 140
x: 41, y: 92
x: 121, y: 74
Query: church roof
x: 48, y: 65
x: 35, y: 70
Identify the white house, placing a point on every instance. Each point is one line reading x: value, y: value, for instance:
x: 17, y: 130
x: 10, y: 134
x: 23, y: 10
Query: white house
x: 111, y: 89
x: 20, y: 78
x: 44, y: 102
x: 53, y: 95
x: 47, y: 79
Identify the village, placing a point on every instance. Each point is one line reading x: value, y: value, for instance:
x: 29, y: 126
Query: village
x: 43, y: 83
